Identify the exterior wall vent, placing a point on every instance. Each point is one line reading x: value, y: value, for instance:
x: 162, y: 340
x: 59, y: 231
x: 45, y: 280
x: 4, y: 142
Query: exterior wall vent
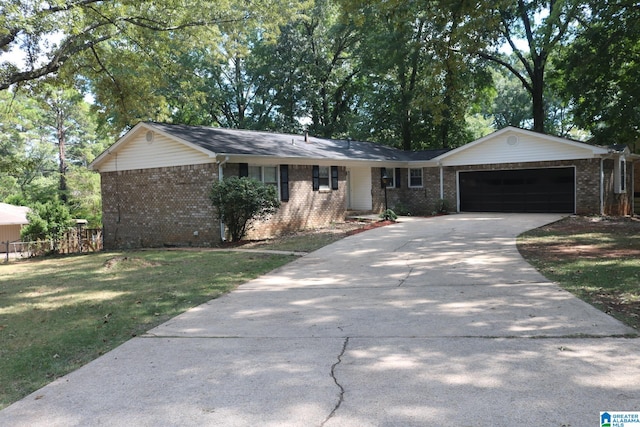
x: 512, y: 140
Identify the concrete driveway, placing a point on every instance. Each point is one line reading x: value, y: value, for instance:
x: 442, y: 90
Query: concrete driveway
x: 434, y: 321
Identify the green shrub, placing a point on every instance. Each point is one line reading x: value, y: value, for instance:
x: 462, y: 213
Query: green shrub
x: 441, y: 207
x: 401, y: 209
x: 47, y: 221
x: 240, y: 201
x: 388, y: 215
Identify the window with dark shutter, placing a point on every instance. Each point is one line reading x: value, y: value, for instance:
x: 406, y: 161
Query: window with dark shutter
x: 315, y: 176
x: 244, y: 170
x: 284, y: 183
x: 334, y: 177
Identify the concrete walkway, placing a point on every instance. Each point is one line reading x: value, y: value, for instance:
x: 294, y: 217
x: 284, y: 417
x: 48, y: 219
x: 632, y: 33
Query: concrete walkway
x: 434, y: 321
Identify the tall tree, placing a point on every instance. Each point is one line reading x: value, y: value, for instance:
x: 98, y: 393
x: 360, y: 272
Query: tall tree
x: 62, y: 114
x: 27, y: 159
x: 416, y: 85
x: 600, y: 71
x: 534, y: 30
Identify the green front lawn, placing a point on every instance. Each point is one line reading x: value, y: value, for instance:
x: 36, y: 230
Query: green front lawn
x: 57, y: 314
x: 596, y: 259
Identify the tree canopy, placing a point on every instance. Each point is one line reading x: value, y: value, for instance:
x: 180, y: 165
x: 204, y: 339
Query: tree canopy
x: 415, y: 75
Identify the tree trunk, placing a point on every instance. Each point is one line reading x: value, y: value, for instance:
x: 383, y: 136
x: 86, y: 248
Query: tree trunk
x: 62, y: 187
x: 537, y: 95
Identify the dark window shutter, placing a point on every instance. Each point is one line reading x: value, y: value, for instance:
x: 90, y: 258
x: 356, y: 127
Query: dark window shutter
x: 244, y: 170
x: 382, y: 172
x: 398, y: 177
x: 334, y: 177
x: 316, y: 178
x: 284, y: 183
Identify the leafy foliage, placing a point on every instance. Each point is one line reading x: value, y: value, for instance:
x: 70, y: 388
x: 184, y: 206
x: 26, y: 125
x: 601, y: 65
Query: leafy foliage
x: 388, y: 215
x: 241, y: 201
x: 47, y: 221
x: 600, y: 71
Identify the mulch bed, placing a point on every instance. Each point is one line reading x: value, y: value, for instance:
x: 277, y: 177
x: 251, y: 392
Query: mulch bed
x: 369, y: 226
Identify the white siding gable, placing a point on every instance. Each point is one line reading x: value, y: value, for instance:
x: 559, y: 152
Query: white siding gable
x: 514, y: 147
x: 161, y: 151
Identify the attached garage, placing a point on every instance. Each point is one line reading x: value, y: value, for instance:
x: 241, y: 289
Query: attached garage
x: 519, y: 190
x: 515, y: 170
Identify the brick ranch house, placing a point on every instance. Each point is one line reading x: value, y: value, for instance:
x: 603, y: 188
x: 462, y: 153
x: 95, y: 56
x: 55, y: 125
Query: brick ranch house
x: 156, y: 179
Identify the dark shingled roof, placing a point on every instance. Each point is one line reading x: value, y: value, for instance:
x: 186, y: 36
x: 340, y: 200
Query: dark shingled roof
x: 258, y: 143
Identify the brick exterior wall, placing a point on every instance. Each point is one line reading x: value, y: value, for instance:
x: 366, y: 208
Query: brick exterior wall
x: 159, y: 207
x: 171, y: 206
x: 306, y: 209
x: 417, y: 201
x: 423, y: 201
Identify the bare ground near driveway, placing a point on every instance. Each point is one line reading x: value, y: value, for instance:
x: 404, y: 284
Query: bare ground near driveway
x: 596, y: 258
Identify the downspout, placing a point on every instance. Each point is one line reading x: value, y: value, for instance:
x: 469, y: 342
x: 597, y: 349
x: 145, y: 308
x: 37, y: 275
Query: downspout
x: 220, y: 178
x: 441, y: 180
x: 633, y: 189
x: 602, y: 186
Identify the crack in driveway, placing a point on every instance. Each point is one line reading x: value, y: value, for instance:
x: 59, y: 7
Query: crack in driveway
x: 335, y: 380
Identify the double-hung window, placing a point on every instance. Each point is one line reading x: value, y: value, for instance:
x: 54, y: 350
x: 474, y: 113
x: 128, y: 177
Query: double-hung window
x: 415, y: 178
x: 265, y: 174
x: 390, y: 173
x: 325, y: 178
x: 269, y: 175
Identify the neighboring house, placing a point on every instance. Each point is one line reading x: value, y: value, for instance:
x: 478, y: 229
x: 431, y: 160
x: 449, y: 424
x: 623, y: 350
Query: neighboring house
x: 156, y: 179
x: 12, y: 219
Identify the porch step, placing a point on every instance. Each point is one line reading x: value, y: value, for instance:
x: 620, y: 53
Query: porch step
x: 365, y: 216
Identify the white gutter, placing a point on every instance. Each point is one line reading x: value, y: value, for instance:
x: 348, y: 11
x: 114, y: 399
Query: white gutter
x: 602, y: 186
x: 220, y: 178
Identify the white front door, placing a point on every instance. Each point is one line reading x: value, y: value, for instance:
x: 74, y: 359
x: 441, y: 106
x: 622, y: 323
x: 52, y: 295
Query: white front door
x: 359, y: 189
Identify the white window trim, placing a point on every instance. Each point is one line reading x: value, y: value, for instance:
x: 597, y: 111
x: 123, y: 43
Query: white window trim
x: 620, y: 176
x: 262, y: 167
x: 421, y: 178
x: 324, y: 188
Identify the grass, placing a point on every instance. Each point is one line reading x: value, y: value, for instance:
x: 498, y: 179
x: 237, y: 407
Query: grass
x: 598, y: 261
x: 57, y: 314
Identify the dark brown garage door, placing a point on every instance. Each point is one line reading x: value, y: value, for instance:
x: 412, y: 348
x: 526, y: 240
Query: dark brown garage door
x: 522, y: 190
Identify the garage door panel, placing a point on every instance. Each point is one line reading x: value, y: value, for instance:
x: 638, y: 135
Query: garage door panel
x: 521, y: 190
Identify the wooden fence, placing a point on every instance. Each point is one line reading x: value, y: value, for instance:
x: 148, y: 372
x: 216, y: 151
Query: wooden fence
x: 76, y: 240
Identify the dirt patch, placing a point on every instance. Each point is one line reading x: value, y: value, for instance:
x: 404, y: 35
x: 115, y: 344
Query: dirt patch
x: 590, y: 238
x: 125, y: 261
x: 338, y: 230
